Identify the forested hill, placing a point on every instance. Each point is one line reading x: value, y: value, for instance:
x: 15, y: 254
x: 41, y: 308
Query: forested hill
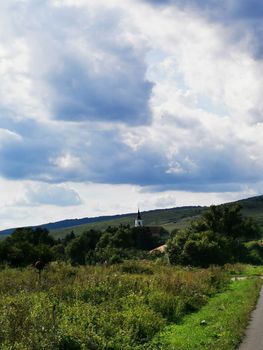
x: 168, y: 218
x: 152, y: 217
x: 253, y: 207
x: 71, y: 223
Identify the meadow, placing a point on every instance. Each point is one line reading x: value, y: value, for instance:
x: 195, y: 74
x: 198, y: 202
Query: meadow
x: 120, y: 307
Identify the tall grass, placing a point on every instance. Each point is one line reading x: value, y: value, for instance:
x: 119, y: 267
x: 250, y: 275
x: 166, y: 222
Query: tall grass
x: 97, y: 307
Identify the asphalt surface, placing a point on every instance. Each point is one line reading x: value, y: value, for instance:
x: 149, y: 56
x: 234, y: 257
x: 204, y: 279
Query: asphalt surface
x: 254, y: 334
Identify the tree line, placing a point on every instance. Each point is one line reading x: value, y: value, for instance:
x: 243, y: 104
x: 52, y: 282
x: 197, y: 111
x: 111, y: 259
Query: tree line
x: 217, y: 237
x: 27, y: 245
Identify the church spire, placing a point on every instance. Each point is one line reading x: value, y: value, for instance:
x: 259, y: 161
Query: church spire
x: 138, y: 221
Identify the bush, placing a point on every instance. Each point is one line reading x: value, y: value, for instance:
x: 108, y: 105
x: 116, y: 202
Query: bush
x: 205, y: 249
x: 254, y: 253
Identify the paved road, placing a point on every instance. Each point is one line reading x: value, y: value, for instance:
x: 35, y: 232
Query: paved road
x: 254, y: 335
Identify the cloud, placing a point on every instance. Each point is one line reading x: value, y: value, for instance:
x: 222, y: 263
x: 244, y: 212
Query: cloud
x: 162, y: 97
x: 71, y: 63
x: 166, y: 201
x: 243, y: 18
x: 27, y: 154
x: 117, y: 96
x: 7, y: 136
x: 43, y: 194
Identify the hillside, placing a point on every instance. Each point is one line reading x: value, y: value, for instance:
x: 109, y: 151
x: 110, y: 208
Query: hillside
x: 168, y: 218
x: 253, y: 207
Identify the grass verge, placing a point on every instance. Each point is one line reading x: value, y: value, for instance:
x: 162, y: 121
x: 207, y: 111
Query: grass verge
x: 217, y: 326
x: 251, y: 270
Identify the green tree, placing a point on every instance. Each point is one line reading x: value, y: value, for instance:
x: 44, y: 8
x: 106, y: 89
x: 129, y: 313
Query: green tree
x: 76, y: 252
x: 78, y: 248
x: 213, y: 239
x: 33, y: 236
x: 227, y: 220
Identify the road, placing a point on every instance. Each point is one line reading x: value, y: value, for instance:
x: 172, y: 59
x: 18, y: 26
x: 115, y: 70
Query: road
x: 254, y: 334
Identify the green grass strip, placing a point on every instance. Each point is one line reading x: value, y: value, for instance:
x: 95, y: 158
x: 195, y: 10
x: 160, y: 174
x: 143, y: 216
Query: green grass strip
x: 219, y: 325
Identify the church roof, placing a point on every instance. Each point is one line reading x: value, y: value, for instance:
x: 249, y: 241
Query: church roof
x: 139, y: 215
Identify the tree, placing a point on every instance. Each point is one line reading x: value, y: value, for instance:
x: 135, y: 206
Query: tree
x: 69, y: 237
x: 213, y: 239
x: 25, y: 246
x: 76, y: 252
x: 79, y: 247
x: 227, y: 220
x: 33, y: 236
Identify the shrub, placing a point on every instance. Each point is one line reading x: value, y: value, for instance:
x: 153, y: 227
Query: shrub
x: 203, y: 249
x: 254, y: 253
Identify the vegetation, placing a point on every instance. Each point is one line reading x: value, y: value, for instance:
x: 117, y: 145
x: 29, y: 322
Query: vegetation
x: 215, y: 238
x: 119, y: 307
x: 27, y: 245
x: 219, y: 325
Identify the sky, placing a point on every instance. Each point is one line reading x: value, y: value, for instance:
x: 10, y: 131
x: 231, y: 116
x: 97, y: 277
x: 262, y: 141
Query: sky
x: 111, y: 105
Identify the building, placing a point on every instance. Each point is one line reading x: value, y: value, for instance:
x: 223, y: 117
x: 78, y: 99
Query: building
x: 161, y: 249
x: 138, y: 221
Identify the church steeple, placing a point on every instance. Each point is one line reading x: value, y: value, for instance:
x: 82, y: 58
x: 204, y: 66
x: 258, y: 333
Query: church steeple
x: 138, y: 221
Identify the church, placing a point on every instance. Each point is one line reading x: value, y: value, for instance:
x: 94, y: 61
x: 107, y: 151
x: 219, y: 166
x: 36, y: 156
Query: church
x: 157, y: 232
x: 138, y: 221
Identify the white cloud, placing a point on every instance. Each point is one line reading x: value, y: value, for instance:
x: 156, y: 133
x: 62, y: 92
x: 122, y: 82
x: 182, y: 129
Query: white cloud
x: 44, y: 194
x: 67, y: 161
x: 125, y: 92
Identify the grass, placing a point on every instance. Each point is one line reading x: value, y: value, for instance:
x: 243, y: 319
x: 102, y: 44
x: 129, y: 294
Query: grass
x: 124, y: 307
x: 217, y: 326
x: 240, y: 270
x: 250, y: 270
x: 119, y: 307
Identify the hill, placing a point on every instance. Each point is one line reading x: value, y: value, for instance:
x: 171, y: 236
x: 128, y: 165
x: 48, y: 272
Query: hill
x: 63, y: 224
x: 253, y: 207
x: 168, y: 218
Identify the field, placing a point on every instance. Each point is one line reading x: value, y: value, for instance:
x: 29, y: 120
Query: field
x: 121, y: 307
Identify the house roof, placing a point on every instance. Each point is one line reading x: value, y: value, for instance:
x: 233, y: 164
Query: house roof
x: 161, y: 249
